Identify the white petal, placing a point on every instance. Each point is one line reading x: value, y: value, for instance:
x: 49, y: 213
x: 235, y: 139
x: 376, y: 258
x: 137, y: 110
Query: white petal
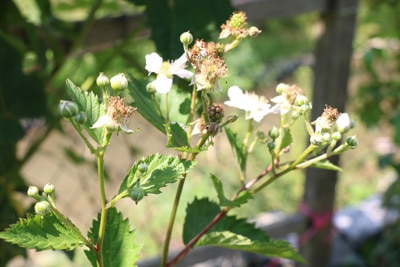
x: 184, y: 74
x: 101, y: 122
x: 125, y: 129
x: 162, y: 84
x: 153, y: 63
x: 237, y: 98
x: 343, y: 123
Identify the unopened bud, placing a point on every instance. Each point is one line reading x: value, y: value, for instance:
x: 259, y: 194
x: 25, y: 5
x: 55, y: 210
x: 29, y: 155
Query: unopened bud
x: 254, y: 31
x: 136, y: 193
x: 102, y: 80
x: 68, y: 109
x: 273, y: 132
x: 280, y: 88
x: 186, y: 38
x: 352, y: 141
x: 49, y: 189
x: 336, y: 136
x: 142, y: 167
x: 119, y: 82
x: 271, y: 146
x: 81, y: 117
x: 33, y: 191
x: 42, y: 208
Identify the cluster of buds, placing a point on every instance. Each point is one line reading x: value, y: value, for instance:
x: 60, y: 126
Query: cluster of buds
x: 42, y: 207
x: 118, y: 82
x: 236, y: 28
x: 330, y: 127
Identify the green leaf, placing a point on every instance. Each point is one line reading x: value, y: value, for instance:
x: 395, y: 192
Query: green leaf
x: 161, y: 170
x: 327, y: 165
x: 179, y: 105
x: 88, y: 103
x: 119, y: 245
x: 145, y: 104
x: 284, y: 140
x: 177, y: 136
x: 41, y: 233
x: 231, y: 232
x: 223, y: 201
x: 238, y: 147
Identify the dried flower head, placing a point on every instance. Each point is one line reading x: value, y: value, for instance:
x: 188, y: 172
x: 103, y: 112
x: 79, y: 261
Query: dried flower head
x: 210, y: 67
x: 327, y: 120
x: 117, y: 116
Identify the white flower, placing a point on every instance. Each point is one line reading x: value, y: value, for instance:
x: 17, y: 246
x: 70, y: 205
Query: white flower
x: 256, y: 107
x: 165, y: 71
x: 117, y: 116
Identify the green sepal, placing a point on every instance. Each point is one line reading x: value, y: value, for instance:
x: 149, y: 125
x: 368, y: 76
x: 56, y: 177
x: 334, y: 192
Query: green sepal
x: 119, y: 244
x: 231, y: 232
x: 161, y: 170
x: 91, y: 106
x: 326, y: 165
x: 42, y: 233
x: 145, y: 104
x: 177, y: 136
x: 243, y: 197
x: 238, y: 147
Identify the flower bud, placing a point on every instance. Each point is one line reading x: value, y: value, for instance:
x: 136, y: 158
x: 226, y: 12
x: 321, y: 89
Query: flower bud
x: 119, y: 82
x: 273, y: 132
x: 33, y: 192
x: 232, y: 118
x: 151, y: 88
x: 136, y: 193
x: 343, y: 123
x: 352, y: 141
x: 102, y: 80
x: 301, y: 100
x: 81, y: 117
x: 280, y: 88
x: 317, y: 139
x: 254, y: 31
x: 42, y: 208
x: 142, y: 167
x: 68, y: 109
x: 49, y: 189
x: 186, y: 38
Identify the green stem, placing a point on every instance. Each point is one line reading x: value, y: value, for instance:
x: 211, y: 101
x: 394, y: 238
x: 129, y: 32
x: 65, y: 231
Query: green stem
x: 178, y: 195
x: 79, y: 130
x: 303, y: 155
x: 104, y: 210
x: 166, y: 107
x: 113, y: 201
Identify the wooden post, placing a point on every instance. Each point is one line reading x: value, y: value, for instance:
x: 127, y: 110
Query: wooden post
x: 332, y: 54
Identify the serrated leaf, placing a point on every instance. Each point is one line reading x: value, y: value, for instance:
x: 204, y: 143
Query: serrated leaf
x: 231, y: 232
x: 177, y: 136
x: 223, y: 201
x: 238, y: 147
x: 161, y: 170
x: 88, y: 103
x: 284, y: 140
x: 119, y: 245
x: 145, y: 104
x: 327, y: 165
x: 41, y: 233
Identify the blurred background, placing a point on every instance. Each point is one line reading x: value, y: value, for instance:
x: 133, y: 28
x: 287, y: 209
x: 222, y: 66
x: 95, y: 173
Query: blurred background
x: 44, y: 42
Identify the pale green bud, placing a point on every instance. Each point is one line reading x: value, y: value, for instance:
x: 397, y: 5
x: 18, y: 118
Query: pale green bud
x: 336, y: 136
x: 48, y: 188
x: 119, y: 82
x: 142, y: 167
x: 186, y: 38
x: 271, y: 146
x: 42, y: 208
x: 68, y: 109
x: 33, y: 191
x: 102, y: 80
x: 273, y: 132
x: 280, y: 88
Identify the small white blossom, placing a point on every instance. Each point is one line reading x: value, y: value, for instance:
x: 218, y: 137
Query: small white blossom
x: 165, y: 71
x: 256, y: 107
x: 117, y: 116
